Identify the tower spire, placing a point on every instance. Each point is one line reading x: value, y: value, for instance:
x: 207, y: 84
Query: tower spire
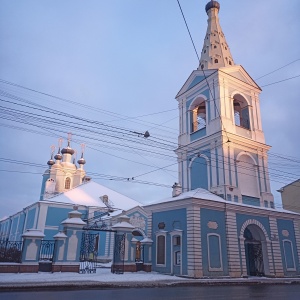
x: 215, y: 53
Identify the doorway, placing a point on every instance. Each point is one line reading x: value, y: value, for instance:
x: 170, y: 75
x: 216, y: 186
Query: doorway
x: 254, y: 251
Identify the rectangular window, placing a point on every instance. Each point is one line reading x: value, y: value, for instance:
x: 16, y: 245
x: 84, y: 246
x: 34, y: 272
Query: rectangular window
x: 272, y: 204
x: 229, y: 197
x: 177, y: 241
x: 266, y: 203
x: 236, y: 199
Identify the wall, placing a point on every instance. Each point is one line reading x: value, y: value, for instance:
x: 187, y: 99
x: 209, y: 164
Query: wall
x: 172, y: 219
x: 213, y: 240
x: 289, y: 254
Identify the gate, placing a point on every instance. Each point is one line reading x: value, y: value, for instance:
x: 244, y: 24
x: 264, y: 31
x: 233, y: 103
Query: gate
x: 46, y: 255
x: 88, y: 252
x: 119, y: 252
x: 11, y: 251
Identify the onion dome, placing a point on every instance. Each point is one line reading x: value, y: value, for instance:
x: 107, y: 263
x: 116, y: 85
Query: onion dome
x: 58, y: 155
x: 212, y: 4
x: 50, y: 162
x: 81, y: 161
x: 67, y: 150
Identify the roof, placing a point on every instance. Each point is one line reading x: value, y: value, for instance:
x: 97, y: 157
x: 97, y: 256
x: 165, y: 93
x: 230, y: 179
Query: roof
x: 89, y: 194
x: 207, y: 195
x: 292, y: 183
x: 197, y: 193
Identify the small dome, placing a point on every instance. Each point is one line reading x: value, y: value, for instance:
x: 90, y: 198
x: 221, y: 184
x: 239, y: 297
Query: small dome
x: 81, y: 161
x: 58, y: 156
x: 67, y: 150
x: 50, y: 162
x: 212, y: 4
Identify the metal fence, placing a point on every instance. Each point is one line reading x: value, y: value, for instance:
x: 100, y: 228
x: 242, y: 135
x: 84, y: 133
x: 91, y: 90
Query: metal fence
x: 119, y: 253
x: 11, y: 251
x: 88, y: 252
x: 47, y: 250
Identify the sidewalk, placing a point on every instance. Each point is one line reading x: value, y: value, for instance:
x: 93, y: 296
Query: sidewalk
x: 105, y: 279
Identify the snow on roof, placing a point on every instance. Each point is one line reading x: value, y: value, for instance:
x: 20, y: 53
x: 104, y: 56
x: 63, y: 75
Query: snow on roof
x: 197, y: 193
x: 207, y: 195
x: 89, y: 194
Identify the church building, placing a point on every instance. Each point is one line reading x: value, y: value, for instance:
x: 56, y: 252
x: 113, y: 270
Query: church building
x: 221, y: 220
x: 65, y: 186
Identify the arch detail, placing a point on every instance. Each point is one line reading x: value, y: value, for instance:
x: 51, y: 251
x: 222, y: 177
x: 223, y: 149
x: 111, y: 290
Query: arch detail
x: 197, y: 100
x: 253, y: 222
x: 248, y: 154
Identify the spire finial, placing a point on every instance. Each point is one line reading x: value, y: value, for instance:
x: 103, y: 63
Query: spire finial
x: 60, y: 141
x: 215, y: 52
x: 82, y: 149
x: 52, y: 150
x: 69, y: 138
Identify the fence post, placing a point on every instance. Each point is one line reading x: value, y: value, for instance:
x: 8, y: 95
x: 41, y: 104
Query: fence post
x: 147, y: 247
x: 123, y: 227
x: 59, y: 249
x: 73, y: 230
x: 31, y: 249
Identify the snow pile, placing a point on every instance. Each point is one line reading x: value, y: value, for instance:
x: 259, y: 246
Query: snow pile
x: 102, y: 275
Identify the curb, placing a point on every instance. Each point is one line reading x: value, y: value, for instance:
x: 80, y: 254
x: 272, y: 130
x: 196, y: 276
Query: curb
x: 81, y: 285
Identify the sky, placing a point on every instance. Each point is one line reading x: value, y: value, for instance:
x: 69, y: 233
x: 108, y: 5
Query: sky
x: 120, y: 64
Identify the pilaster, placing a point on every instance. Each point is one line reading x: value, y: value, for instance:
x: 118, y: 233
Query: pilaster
x: 234, y: 266
x: 194, y: 249
x: 277, y: 258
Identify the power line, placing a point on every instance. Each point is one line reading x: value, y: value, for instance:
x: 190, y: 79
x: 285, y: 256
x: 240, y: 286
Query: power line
x: 278, y: 69
x: 280, y: 81
x: 187, y: 27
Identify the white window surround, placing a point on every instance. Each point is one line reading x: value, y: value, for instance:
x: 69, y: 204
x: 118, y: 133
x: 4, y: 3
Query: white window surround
x: 173, y: 234
x: 290, y: 242
x: 158, y: 234
x: 220, y: 253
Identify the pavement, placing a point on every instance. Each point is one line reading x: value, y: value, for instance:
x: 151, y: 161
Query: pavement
x: 103, y: 278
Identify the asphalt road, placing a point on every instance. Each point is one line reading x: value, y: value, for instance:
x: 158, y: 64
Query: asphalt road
x: 274, y: 292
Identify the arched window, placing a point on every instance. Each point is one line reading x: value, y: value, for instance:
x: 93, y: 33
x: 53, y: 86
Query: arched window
x: 216, y: 61
x: 241, y: 112
x: 68, y: 183
x: 199, y: 117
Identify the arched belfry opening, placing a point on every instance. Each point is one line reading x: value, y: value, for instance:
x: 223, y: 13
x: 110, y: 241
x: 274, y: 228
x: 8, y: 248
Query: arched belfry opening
x: 241, y: 111
x: 198, y: 114
x: 255, y: 251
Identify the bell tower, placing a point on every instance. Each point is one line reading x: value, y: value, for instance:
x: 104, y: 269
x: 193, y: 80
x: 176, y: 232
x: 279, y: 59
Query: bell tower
x: 221, y: 144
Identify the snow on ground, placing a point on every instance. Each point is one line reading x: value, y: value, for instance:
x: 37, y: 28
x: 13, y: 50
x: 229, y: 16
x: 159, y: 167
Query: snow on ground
x: 102, y: 275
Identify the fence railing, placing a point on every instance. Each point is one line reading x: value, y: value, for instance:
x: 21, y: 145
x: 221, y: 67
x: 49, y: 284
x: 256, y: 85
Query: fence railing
x: 11, y: 251
x: 47, y: 250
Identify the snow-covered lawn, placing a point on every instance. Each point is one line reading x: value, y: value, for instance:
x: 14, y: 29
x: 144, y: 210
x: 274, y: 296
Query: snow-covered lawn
x: 102, y: 275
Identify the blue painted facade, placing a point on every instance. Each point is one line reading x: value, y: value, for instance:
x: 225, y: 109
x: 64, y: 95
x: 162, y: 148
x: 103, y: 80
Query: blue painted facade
x: 173, y: 220
x: 199, y: 173
x: 290, y: 256
x: 30, y: 218
x: 213, y: 241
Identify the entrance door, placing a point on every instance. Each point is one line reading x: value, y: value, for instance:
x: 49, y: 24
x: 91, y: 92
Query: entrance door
x: 254, y: 258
